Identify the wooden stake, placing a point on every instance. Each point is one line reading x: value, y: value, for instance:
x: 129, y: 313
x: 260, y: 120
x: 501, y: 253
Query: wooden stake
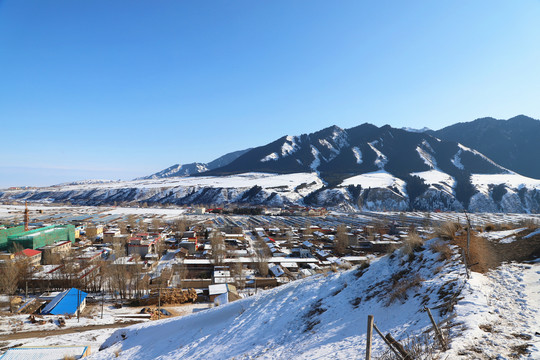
x: 369, y: 333
x: 466, y: 264
x: 387, y: 342
x: 398, y: 347
x: 437, y: 330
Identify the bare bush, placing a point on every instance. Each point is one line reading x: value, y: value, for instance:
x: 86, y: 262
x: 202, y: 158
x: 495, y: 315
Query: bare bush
x: 412, y: 242
x: 447, y: 230
x: 419, y: 347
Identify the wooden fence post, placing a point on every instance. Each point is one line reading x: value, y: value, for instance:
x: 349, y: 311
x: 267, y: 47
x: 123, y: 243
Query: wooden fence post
x: 387, y: 342
x: 368, y: 334
x: 399, y: 347
x: 437, y: 330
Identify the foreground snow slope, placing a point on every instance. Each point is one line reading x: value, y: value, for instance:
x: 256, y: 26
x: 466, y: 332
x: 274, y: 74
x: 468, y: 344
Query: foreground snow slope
x: 316, y: 318
x: 500, y: 314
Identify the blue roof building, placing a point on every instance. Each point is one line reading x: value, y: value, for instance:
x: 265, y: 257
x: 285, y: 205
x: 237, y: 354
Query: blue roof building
x: 66, y: 303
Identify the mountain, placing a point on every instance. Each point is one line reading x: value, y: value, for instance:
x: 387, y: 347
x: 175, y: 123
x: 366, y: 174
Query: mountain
x: 364, y: 167
x: 512, y: 143
x: 336, y: 154
x: 195, y: 168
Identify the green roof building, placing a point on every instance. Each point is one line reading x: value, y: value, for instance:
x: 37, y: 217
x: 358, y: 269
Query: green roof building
x: 4, y: 233
x: 37, y: 238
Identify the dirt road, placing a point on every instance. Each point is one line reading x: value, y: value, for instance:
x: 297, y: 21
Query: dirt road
x: 70, y: 330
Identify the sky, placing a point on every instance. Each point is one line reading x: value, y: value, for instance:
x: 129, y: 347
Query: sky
x: 108, y: 89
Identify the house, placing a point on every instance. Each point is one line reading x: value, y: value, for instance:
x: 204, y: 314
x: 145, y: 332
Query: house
x: 47, y: 353
x: 276, y: 270
x: 32, y: 256
x: 108, y: 236
x: 67, y: 302
x: 51, y: 254
x: 222, y: 293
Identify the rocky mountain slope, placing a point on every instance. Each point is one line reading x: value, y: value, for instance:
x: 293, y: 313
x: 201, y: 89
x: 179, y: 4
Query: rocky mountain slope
x: 511, y: 143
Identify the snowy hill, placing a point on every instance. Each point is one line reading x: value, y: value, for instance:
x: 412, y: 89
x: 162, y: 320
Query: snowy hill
x: 325, y: 316
x: 378, y: 190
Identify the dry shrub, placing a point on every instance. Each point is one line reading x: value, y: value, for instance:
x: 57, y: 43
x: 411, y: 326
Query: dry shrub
x: 68, y: 357
x: 399, y: 289
x: 443, y: 248
x: 412, y: 242
x: 447, y: 230
x: 419, y: 347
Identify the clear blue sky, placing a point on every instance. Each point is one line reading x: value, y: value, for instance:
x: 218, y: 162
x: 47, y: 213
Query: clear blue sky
x: 120, y: 89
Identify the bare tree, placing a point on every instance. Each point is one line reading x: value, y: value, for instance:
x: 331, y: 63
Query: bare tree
x: 341, y: 240
x: 10, y: 277
x: 218, y: 247
x: 262, y: 254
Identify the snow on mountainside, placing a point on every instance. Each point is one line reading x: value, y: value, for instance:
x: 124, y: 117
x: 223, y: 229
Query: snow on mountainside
x: 178, y: 170
x: 337, y: 154
x: 253, y: 188
x: 195, y: 168
x: 363, y: 167
x: 325, y: 316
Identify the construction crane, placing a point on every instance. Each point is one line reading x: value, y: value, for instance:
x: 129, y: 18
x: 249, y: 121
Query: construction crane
x: 26, y: 216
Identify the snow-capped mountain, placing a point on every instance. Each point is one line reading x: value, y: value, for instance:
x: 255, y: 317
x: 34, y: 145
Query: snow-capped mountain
x: 337, y: 154
x: 195, y: 168
x: 365, y: 167
x: 178, y: 170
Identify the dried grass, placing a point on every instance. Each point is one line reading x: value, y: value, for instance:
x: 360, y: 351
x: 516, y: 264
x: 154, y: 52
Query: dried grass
x: 447, y: 230
x: 412, y: 242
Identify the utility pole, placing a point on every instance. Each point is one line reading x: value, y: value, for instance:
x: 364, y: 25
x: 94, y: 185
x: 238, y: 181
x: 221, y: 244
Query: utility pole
x: 468, y: 233
x: 78, y: 305
x: 102, y: 300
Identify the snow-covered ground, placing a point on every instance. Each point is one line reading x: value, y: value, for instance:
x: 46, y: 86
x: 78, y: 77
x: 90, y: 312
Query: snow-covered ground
x: 496, y: 315
x: 264, y: 180
x: 502, y: 237
x: 374, y: 179
x: 511, y: 180
x: 82, y: 328
x: 316, y: 318
x: 500, y: 312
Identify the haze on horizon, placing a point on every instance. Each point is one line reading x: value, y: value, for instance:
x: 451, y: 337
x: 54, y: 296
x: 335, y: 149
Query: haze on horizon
x: 117, y: 90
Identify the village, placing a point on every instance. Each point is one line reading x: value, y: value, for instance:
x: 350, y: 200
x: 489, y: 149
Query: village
x: 84, y: 268
x: 63, y: 267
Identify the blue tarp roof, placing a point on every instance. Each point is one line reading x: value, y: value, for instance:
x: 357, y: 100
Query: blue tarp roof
x: 67, y: 302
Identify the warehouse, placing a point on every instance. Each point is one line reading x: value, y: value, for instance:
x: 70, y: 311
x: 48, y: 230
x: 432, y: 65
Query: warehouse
x: 66, y: 303
x: 37, y: 238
